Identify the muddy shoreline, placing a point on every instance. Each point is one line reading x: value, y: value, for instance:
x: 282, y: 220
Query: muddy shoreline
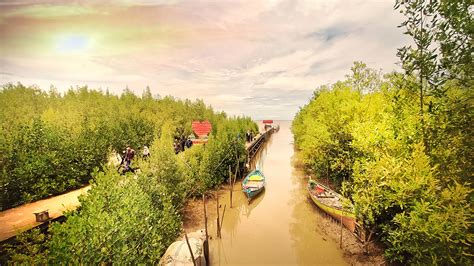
x: 193, y: 219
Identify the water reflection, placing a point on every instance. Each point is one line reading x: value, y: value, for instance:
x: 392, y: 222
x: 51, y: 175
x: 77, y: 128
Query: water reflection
x: 279, y: 226
x: 247, y: 209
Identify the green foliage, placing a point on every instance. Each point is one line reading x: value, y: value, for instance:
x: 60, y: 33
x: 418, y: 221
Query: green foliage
x: 51, y: 143
x: 435, y: 230
x: 324, y: 129
x: 448, y: 133
x: 443, y: 33
x: 29, y: 249
x: 123, y: 219
x: 32, y: 159
x: 409, y: 181
x: 226, y: 148
x: 390, y: 185
x: 163, y: 166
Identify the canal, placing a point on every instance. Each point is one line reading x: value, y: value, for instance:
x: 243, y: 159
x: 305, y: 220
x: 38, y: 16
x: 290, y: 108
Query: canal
x: 280, y: 225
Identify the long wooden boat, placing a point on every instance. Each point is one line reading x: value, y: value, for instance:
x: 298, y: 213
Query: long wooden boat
x: 331, y: 202
x: 253, y: 184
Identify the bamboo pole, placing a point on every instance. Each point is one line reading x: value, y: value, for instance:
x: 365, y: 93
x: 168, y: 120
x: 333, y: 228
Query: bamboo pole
x: 190, y: 249
x: 217, y: 208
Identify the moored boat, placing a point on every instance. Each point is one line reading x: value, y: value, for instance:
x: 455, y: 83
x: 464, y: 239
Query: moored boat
x: 178, y: 252
x: 253, y: 184
x: 331, y: 202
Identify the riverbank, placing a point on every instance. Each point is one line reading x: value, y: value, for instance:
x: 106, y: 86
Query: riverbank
x: 352, y: 248
x: 193, y: 219
x: 281, y: 225
x: 323, y: 226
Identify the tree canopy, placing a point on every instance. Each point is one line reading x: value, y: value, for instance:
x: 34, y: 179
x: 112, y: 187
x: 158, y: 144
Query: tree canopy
x: 400, y: 146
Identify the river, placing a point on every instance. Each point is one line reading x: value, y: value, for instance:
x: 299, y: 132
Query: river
x: 280, y: 225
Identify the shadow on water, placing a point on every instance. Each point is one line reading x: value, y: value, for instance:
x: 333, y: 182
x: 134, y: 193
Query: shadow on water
x: 278, y: 226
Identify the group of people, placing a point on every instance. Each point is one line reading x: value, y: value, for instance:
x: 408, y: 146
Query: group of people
x: 181, y: 144
x: 127, y: 156
x: 249, y: 136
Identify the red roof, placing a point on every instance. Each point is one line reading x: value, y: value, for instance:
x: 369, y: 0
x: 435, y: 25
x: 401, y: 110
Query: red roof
x: 267, y: 121
x: 201, y: 129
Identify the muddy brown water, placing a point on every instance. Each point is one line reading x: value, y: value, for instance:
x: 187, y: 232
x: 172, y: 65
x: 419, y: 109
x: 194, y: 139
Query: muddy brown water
x: 280, y: 225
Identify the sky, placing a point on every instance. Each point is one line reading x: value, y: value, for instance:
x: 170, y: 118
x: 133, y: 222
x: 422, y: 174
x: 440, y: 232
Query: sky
x: 261, y: 59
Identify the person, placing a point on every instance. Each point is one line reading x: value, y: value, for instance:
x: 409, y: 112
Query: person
x: 130, y: 153
x: 189, y: 143
x: 176, y: 147
x: 182, y: 143
x: 146, y: 152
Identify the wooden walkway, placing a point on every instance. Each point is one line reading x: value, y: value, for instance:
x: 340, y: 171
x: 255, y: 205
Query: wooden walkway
x: 22, y: 218
x: 254, y: 147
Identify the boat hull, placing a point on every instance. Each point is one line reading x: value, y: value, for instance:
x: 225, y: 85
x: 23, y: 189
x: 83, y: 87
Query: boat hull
x: 348, y: 218
x: 252, y: 191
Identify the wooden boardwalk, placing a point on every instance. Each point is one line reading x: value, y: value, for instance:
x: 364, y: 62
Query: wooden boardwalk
x: 22, y: 218
x: 254, y: 147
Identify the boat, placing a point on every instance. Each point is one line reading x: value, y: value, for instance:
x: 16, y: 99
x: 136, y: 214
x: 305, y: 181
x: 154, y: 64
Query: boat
x: 331, y: 203
x: 178, y: 252
x: 253, y: 184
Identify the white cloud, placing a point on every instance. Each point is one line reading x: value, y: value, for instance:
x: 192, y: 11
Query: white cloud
x: 271, y: 54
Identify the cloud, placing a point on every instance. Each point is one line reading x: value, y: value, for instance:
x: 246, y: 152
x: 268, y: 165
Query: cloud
x: 47, y: 11
x: 258, y: 58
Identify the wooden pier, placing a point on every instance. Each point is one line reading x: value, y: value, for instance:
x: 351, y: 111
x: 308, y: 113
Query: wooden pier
x: 254, y: 147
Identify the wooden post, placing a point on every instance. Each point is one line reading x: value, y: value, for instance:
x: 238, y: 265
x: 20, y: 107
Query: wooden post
x: 342, y: 214
x: 206, y: 244
x: 222, y: 220
x: 327, y: 175
x: 217, y: 208
x: 237, y: 169
x: 231, y: 185
x: 205, y: 214
x: 190, y: 249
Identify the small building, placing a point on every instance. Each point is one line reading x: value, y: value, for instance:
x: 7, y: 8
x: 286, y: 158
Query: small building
x: 267, y: 124
x: 201, y: 131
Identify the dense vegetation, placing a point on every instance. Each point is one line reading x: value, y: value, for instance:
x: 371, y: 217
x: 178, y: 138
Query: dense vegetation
x: 52, y: 143
x: 400, y: 146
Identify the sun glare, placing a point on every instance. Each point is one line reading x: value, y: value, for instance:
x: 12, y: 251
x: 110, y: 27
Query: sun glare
x: 73, y: 44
